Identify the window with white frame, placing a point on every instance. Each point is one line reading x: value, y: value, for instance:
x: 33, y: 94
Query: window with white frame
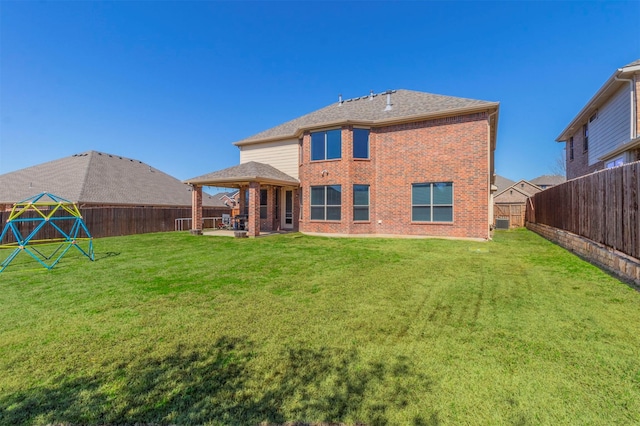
x: 361, y: 143
x: 432, y: 202
x: 326, y: 202
x: 326, y: 145
x: 615, y: 162
x: 360, y: 202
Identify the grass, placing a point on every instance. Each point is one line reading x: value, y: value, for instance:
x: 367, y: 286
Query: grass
x: 174, y: 329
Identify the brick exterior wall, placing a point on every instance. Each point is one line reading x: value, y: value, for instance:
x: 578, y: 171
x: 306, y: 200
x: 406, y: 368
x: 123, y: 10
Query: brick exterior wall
x: 451, y: 149
x: 196, y: 211
x: 579, y: 166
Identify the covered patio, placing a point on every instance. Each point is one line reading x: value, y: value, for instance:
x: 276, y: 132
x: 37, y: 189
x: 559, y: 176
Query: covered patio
x: 268, y: 198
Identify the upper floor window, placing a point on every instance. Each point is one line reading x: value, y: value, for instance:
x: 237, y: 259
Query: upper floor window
x: 432, y: 202
x: 360, y: 143
x: 326, y: 145
x: 571, y: 148
x: 585, y: 137
x: 360, y: 202
x: 326, y: 202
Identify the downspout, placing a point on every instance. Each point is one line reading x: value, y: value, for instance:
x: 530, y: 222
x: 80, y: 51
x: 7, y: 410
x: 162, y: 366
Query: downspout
x: 491, y: 172
x: 632, y: 129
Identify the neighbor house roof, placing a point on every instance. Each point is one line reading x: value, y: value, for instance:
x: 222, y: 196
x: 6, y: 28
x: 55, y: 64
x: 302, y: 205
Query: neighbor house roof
x: 522, y: 188
x: 548, y: 180
x: 607, y: 89
x: 99, y: 178
x: 406, y: 105
x: 244, y: 173
x: 511, y: 195
x: 502, y: 183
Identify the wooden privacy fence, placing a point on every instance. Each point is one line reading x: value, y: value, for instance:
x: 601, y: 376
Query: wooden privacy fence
x: 115, y: 221
x: 602, y: 207
x: 513, y: 212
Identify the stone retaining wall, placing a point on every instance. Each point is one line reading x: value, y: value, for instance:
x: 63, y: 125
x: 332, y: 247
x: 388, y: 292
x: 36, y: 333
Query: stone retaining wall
x: 626, y: 267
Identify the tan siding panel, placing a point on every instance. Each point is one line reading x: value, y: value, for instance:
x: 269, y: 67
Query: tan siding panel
x: 283, y: 155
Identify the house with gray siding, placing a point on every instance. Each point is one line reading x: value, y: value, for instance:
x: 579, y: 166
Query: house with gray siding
x: 605, y: 132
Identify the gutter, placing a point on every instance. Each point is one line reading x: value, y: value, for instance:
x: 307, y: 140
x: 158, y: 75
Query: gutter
x: 588, y: 108
x: 241, y: 180
x: 632, y: 128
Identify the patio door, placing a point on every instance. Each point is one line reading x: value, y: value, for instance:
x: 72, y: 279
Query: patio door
x: 287, y: 209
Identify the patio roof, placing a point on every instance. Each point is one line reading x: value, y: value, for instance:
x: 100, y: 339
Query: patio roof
x: 242, y: 174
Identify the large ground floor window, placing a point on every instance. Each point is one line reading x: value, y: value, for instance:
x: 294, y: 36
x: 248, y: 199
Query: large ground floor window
x: 361, y: 202
x: 432, y: 202
x: 326, y: 202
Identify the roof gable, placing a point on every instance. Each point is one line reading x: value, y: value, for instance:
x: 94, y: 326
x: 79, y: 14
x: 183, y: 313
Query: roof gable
x: 523, y: 187
x: 251, y: 171
x: 372, y: 109
x: 601, y: 96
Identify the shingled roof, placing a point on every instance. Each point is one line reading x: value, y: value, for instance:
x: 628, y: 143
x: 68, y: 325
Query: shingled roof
x: 549, y: 180
x: 372, y: 110
x: 502, y: 183
x: 244, y: 173
x: 97, y: 178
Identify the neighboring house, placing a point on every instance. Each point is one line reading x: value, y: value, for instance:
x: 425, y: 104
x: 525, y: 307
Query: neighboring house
x: 501, y: 183
x: 547, y: 181
x: 230, y: 199
x: 510, y: 203
x: 99, y: 179
x: 396, y: 163
x: 605, y: 132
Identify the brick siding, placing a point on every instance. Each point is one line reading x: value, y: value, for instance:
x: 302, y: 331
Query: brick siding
x: 579, y: 166
x: 451, y: 149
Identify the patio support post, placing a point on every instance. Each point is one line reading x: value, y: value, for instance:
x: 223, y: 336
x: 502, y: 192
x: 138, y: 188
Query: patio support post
x: 296, y: 209
x: 241, y: 199
x: 196, y: 210
x: 254, y: 209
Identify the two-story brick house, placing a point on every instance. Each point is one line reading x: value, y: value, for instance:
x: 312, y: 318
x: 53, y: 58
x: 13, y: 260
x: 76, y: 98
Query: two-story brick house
x: 605, y: 132
x: 396, y: 163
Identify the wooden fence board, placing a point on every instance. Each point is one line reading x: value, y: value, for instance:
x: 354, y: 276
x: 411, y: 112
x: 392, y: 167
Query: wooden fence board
x: 603, y: 207
x: 116, y: 221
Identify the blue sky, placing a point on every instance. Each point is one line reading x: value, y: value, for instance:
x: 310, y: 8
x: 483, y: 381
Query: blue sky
x: 173, y: 84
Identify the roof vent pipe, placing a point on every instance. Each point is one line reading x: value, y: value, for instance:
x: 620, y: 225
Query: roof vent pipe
x: 388, y: 107
x: 340, y: 99
x: 371, y: 95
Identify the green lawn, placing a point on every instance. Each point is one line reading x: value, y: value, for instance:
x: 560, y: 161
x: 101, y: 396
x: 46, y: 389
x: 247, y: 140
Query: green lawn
x: 174, y: 329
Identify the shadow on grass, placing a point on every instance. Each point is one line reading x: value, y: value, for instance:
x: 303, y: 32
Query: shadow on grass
x: 105, y: 255
x: 219, y: 386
